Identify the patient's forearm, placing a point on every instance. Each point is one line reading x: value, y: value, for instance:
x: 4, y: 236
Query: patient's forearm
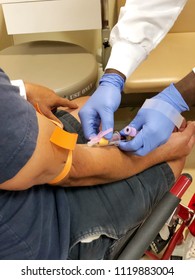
x: 106, y: 164
x: 96, y: 165
x: 92, y: 165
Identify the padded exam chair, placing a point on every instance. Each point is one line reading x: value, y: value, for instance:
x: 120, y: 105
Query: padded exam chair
x: 67, y: 68
x: 169, y: 62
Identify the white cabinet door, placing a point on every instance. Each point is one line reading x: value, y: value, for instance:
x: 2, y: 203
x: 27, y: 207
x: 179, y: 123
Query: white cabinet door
x: 51, y: 16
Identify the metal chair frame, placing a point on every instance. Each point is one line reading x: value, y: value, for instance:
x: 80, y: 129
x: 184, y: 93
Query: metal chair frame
x: 168, y: 208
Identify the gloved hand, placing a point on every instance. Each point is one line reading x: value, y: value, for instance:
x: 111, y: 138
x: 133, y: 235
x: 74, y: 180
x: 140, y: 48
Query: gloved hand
x: 100, y: 107
x: 155, y: 122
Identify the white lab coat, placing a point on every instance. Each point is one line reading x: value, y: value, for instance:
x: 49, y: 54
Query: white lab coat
x: 141, y: 26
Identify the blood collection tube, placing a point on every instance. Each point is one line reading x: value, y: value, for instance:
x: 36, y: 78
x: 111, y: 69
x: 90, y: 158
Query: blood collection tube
x: 130, y: 131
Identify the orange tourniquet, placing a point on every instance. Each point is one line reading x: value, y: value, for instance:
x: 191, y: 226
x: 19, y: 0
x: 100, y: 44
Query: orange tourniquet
x: 64, y: 140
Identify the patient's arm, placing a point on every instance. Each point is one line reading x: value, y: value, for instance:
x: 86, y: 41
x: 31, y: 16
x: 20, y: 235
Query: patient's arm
x: 106, y: 164
x: 91, y: 165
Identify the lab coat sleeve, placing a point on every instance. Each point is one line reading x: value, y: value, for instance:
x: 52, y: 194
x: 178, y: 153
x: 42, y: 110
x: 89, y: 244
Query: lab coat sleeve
x: 140, y: 28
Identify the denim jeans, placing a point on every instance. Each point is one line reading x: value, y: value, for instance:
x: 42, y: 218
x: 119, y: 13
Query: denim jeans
x: 113, y: 211
x: 109, y: 214
x: 51, y: 222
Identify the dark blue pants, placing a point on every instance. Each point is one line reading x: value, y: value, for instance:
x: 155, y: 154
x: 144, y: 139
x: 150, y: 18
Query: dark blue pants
x: 50, y: 222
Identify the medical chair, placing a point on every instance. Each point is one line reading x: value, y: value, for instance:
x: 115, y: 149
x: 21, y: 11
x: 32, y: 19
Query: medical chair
x: 168, y: 211
x: 169, y: 62
x: 67, y: 68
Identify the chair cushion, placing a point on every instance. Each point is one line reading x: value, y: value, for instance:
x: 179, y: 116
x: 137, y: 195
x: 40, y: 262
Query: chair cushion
x: 66, y: 68
x: 172, y: 59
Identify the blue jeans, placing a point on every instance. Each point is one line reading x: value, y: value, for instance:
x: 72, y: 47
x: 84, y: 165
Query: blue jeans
x: 50, y: 222
x: 112, y: 211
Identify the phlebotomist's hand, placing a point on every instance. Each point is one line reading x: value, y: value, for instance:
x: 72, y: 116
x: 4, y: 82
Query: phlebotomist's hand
x: 47, y: 100
x: 155, y: 121
x: 100, y: 107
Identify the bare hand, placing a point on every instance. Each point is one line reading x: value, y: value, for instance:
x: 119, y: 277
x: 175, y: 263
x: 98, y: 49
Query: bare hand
x: 47, y: 100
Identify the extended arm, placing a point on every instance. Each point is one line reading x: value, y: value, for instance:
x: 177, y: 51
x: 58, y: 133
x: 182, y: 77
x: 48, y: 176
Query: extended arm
x: 91, y: 165
x: 98, y: 165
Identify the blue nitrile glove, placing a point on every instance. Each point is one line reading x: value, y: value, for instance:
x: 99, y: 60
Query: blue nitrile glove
x: 100, y: 107
x: 156, y: 122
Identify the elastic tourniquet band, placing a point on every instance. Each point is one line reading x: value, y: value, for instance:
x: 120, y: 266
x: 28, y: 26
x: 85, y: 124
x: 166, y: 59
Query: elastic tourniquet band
x: 65, y: 140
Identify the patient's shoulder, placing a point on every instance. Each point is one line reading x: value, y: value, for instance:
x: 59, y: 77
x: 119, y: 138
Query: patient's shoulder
x: 45, y: 163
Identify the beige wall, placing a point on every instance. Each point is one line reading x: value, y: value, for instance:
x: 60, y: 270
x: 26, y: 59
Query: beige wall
x: 89, y: 39
x: 5, y: 40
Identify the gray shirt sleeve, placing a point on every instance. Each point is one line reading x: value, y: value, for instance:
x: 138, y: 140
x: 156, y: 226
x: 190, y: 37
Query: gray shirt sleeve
x: 19, y: 129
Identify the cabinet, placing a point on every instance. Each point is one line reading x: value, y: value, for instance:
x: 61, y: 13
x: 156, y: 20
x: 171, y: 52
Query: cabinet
x: 35, y: 16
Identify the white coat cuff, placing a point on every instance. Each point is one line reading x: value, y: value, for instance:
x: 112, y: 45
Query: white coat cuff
x: 126, y: 57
